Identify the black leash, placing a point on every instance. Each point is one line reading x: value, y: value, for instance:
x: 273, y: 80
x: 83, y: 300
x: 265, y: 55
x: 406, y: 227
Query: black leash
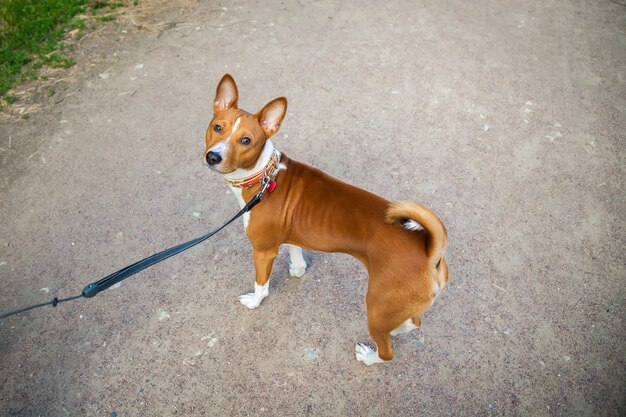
x: 54, y: 303
x: 91, y: 290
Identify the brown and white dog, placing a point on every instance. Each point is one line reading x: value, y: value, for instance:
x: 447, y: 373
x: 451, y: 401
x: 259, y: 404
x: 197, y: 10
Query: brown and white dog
x: 401, y: 244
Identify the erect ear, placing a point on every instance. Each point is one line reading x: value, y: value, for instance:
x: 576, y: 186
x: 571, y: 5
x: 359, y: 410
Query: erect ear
x: 226, y: 94
x: 271, y: 116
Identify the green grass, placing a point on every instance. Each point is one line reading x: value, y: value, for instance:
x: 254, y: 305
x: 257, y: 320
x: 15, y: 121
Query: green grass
x: 32, y: 31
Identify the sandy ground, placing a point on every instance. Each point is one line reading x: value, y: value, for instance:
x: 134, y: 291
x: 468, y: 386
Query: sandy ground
x: 507, y: 118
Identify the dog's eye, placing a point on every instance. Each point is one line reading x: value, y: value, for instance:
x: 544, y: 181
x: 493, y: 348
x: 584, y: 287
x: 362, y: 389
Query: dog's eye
x: 217, y: 128
x: 245, y: 141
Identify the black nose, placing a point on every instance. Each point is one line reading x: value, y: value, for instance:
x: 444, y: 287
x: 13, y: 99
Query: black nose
x: 213, y: 158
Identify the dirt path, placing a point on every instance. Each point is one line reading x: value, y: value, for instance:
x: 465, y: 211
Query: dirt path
x: 508, y: 121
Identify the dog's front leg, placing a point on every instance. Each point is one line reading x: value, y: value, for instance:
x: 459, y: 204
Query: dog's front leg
x: 297, y: 264
x: 263, y: 261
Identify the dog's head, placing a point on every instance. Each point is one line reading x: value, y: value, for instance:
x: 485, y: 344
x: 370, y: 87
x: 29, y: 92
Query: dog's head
x: 235, y: 138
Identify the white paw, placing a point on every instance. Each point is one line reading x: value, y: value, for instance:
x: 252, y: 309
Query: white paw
x: 405, y: 327
x: 297, y: 264
x: 296, y: 270
x: 250, y: 300
x: 366, y: 354
x: 253, y: 299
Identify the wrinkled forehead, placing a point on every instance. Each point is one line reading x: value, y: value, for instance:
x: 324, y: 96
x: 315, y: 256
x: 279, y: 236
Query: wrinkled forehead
x: 230, y: 115
x: 241, y: 118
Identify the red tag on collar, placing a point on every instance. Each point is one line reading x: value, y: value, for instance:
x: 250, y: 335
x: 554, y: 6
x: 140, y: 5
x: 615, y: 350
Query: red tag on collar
x: 271, y: 186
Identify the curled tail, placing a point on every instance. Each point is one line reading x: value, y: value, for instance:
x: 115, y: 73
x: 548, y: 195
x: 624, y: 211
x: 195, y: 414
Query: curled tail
x: 415, y: 217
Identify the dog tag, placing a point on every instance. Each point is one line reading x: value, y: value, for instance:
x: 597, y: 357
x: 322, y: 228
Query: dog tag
x: 271, y: 186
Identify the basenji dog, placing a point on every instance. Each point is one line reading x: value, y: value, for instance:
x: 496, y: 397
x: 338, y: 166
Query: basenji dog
x: 401, y: 244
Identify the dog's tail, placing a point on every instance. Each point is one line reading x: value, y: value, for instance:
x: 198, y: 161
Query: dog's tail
x: 415, y: 217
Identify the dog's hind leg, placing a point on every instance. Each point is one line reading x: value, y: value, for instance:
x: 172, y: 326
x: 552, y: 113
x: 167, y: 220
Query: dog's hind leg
x: 379, y: 327
x: 407, y: 326
x: 383, y: 351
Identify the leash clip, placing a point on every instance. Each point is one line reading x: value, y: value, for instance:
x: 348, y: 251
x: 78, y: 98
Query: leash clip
x: 268, y: 184
x: 265, y: 182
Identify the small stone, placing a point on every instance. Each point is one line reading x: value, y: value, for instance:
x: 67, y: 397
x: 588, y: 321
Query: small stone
x: 311, y: 354
x: 163, y: 315
x: 211, y: 340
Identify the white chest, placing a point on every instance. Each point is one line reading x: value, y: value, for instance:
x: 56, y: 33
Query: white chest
x: 238, y: 192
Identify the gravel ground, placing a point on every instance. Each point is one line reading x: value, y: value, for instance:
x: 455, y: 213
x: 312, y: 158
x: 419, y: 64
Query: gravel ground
x: 506, y: 118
